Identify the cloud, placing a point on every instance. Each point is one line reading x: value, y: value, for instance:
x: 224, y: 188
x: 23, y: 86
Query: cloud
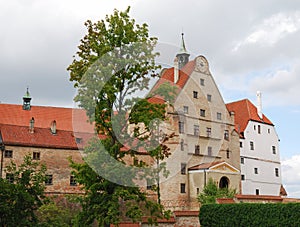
x: 290, y: 169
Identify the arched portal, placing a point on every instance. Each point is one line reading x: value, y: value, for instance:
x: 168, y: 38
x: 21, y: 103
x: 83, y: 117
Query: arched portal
x: 224, y: 182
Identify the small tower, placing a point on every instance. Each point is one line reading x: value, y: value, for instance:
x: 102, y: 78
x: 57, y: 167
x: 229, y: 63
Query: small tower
x: 26, y: 100
x: 182, y: 56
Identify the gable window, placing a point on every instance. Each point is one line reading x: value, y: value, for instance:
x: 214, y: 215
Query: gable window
x: 209, y: 151
x: 10, y: 177
x: 208, y: 132
x: 195, y: 94
x: 36, y: 155
x: 197, y: 149
x: 276, y: 172
x: 242, y: 160
x: 73, y: 181
x: 274, y: 149
x: 181, y: 126
x: 182, y: 188
x: 202, y: 82
x: 258, y: 129
x: 242, y: 177
x: 255, y: 171
x: 183, y: 168
x: 196, y: 130
x: 186, y: 109
x: 49, y: 179
x: 251, y: 145
x: 202, y: 113
x: 182, y: 145
x: 219, y: 116
x: 209, y: 98
x: 226, y: 135
x: 8, y: 154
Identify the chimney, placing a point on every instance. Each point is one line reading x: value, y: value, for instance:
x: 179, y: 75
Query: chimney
x: 176, y: 70
x: 259, y: 104
x: 31, y: 125
x: 53, y: 127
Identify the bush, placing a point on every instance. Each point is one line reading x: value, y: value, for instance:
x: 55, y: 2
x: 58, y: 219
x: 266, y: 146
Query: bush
x: 250, y: 214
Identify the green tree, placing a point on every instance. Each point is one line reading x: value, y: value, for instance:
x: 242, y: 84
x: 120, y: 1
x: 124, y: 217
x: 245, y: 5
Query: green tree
x: 22, y: 194
x: 116, y: 61
x: 211, y: 192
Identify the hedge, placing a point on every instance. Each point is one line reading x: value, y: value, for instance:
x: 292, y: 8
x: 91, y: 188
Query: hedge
x: 250, y: 214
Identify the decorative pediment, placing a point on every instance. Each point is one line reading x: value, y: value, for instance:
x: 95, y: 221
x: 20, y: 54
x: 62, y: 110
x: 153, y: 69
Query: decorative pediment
x: 224, y: 167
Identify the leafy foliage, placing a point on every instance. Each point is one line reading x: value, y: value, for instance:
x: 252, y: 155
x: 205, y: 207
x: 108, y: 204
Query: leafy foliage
x: 21, y: 198
x: 250, y: 214
x: 115, y: 61
x: 211, y: 192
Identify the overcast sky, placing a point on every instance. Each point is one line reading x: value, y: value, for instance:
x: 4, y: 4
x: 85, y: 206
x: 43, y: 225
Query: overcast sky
x: 250, y: 46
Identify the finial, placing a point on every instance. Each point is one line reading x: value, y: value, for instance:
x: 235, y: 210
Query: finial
x: 27, y: 94
x: 182, y: 48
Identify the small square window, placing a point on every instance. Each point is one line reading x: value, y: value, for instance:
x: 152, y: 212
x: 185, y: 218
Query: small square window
x: 186, y: 109
x: 242, y: 160
x: 197, y: 149
x: 242, y: 177
x: 73, y: 180
x: 195, y: 94
x: 219, y: 116
x: 255, y: 170
x: 196, y: 130
x: 183, y: 168
x: 10, y: 177
x: 202, y: 113
x: 209, y: 98
x: 209, y: 151
x: 78, y: 140
x: 36, y: 155
x: 202, y: 82
x: 251, y: 145
x: 182, y: 188
x: 8, y: 154
x: 276, y: 172
x: 274, y: 149
x: 49, y: 179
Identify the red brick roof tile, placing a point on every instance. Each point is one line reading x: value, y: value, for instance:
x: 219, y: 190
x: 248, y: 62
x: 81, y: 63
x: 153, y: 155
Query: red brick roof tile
x: 244, y: 112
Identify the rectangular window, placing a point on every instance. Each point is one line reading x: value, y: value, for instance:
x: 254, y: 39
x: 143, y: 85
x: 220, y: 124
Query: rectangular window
x: 255, y: 171
x: 241, y: 144
x: 268, y: 130
x: 36, y: 155
x: 202, y: 113
x: 274, y: 149
x: 219, y: 116
x: 276, y: 172
x: 251, y: 145
x: 182, y: 145
x: 228, y: 154
x: 257, y: 191
x: 254, y: 127
x: 149, y: 184
x: 182, y: 188
x: 242, y: 177
x: 195, y: 94
x: 49, y: 179
x: 202, y: 82
x: 258, y: 129
x: 197, y: 149
x: 8, y: 154
x: 209, y: 98
x: 181, y: 126
x: 208, y: 132
x: 10, y: 178
x: 242, y: 160
x: 197, y: 190
x: 209, y: 151
x: 196, y: 130
x: 183, y: 168
x: 186, y: 109
x: 73, y: 181
x: 226, y: 135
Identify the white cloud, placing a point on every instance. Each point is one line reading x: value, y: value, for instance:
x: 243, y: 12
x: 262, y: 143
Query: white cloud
x: 272, y: 29
x: 290, y: 169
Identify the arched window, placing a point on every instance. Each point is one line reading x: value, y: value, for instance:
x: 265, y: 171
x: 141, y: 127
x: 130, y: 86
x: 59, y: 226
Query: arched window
x: 224, y: 182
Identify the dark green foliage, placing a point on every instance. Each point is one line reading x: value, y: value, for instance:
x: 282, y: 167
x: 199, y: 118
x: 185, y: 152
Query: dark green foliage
x: 250, y: 214
x: 19, y: 200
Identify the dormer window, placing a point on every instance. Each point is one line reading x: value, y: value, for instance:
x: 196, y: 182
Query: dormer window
x: 53, y: 127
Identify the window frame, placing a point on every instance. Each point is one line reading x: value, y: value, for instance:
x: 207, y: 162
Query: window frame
x: 196, y: 130
x: 8, y: 154
x: 49, y: 179
x: 183, y: 168
x: 36, y: 155
x: 195, y: 94
x: 73, y: 181
x: 202, y: 112
x: 197, y: 149
x: 182, y: 188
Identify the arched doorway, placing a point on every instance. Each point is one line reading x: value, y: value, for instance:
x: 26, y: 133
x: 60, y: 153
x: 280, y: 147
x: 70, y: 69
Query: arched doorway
x: 224, y: 182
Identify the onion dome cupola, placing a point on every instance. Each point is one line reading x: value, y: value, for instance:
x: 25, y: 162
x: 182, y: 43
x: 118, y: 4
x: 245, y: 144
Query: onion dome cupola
x: 26, y: 100
x: 183, y: 55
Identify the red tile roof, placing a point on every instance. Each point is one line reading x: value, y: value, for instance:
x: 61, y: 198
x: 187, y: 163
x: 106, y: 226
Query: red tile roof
x: 67, y: 119
x: 204, y: 165
x: 244, y: 112
x: 42, y: 137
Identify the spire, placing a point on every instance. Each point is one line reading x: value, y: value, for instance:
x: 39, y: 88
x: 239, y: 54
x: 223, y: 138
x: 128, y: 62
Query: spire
x: 26, y: 100
x: 182, y: 56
